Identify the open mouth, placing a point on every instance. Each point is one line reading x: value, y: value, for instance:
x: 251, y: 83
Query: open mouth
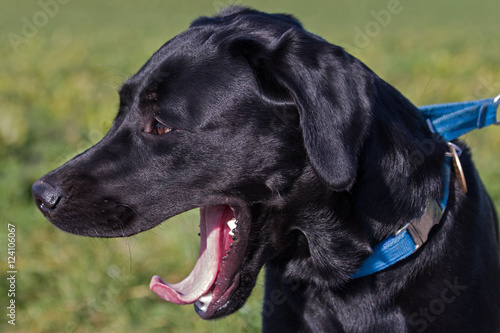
x: 215, y: 275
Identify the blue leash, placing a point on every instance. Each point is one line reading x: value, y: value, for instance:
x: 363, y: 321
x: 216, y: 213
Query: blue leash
x: 456, y: 119
x: 450, y: 121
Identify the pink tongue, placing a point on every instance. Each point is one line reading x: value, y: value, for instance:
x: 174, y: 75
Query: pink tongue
x: 205, y: 271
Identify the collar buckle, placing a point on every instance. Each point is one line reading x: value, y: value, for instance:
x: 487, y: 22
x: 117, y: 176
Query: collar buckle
x: 495, y: 101
x: 420, y: 228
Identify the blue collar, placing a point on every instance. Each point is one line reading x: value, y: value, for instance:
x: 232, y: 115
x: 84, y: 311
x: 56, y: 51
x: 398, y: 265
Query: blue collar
x: 449, y: 121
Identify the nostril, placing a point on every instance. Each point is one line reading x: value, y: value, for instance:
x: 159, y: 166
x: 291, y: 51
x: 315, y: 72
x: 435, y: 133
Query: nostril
x: 45, y: 195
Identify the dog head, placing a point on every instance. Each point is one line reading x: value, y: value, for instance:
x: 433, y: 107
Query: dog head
x: 255, y: 121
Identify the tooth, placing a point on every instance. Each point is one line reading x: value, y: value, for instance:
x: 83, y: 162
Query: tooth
x: 203, y: 302
x: 232, y: 225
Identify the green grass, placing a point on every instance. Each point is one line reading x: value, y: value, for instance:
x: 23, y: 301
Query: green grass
x: 58, y: 96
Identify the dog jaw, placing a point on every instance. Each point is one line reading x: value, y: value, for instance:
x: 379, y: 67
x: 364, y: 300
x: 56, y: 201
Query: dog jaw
x: 215, y: 275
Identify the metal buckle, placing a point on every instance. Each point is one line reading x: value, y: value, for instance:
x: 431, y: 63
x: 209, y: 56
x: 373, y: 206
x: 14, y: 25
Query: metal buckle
x: 419, y: 228
x: 494, y: 101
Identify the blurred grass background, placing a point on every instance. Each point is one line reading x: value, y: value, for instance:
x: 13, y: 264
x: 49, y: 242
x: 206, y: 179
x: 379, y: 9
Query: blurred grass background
x: 58, y: 96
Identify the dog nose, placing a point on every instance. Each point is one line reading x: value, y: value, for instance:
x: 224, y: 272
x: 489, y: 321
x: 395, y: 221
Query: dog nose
x: 45, y: 195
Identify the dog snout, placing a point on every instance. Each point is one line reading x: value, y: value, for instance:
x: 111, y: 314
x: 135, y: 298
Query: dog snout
x: 45, y: 195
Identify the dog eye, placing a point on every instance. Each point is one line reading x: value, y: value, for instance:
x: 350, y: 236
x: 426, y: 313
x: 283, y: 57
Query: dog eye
x: 158, y: 128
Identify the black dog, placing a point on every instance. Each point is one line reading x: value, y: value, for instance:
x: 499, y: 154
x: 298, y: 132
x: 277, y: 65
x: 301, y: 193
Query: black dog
x: 300, y: 158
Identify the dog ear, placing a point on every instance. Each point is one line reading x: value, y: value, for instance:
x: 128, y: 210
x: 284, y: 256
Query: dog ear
x: 331, y: 90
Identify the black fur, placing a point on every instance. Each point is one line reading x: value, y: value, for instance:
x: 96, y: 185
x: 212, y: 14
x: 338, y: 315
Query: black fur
x: 321, y: 159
